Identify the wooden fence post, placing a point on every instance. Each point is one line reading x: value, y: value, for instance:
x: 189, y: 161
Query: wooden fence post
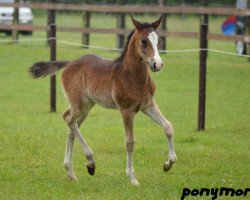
x: 86, y: 24
x: 248, y: 32
x: 204, y: 18
x: 52, y: 42
x: 51, y: 18
x: 163, y: 41
x: 51, y: 36
x: 202, y: 77
x: 120, y: 23
x: 15, y: 22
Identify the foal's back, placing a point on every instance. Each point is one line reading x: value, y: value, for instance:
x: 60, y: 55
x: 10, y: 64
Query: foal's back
x: 90, y: 79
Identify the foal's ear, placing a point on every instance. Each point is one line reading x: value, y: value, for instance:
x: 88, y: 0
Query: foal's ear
x: 156, y: 23
x: 137, y: 24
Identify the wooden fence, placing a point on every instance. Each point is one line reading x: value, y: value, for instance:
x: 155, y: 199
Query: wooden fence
x: 121, y: 30
x: 142, y: 9
x: 128, y: 9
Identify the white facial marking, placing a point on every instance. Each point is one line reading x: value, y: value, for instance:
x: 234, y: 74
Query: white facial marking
x: 153, y: 38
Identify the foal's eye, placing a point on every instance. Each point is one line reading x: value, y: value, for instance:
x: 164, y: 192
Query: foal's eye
x: 144, y: 42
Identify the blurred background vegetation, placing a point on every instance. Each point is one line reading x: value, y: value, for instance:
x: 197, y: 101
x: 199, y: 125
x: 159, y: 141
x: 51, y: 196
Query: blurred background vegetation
x: 227, y: 3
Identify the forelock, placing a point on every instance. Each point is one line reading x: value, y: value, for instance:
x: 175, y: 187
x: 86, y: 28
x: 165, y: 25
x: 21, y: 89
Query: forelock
x: 146, y: 25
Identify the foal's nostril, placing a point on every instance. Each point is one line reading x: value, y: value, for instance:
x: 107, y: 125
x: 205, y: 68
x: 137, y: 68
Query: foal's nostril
x: 155, y: 67
x: 158, y: 66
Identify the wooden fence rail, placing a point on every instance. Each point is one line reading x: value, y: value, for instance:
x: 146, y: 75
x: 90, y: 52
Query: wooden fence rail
x: 132, y: 8
x: 128, y: 9
x: 195, y: 35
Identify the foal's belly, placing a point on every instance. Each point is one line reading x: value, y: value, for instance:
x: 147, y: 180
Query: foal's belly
x: 106, y: 104
x: 102, y: 98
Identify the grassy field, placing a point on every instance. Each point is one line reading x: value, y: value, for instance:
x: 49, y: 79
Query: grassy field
x: 33, y: 140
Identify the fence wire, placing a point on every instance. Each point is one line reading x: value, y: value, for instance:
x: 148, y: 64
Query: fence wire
x: 118, y: 49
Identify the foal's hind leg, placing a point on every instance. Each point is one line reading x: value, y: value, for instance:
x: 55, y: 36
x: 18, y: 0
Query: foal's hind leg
x: 86, y: 149
x: 155, y: 114
x: 74, y: 121
x: 68, y: 156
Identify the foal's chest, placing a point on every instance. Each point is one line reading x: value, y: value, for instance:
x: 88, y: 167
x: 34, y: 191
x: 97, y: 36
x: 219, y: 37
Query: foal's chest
x: 134, y: 95
x: 147, y: 94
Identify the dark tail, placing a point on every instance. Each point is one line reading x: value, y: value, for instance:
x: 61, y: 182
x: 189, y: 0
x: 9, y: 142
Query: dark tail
x: 42, y: 69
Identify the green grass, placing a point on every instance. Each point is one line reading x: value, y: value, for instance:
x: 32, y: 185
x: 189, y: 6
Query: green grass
x: 33, y: 140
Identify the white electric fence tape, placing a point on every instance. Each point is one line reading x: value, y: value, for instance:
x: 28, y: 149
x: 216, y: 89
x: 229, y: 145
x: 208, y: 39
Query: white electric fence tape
x: 117, y: 49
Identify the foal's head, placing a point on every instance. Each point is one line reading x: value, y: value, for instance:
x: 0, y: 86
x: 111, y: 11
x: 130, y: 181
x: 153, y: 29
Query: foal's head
x: 146, y: 42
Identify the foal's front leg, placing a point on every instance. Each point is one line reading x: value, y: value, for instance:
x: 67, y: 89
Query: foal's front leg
x: 155, y: 114
x: 128, y: 121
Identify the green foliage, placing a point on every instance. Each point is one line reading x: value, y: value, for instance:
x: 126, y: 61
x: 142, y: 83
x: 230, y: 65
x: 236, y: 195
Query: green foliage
x: 33, y: 140
x: 169, y: 2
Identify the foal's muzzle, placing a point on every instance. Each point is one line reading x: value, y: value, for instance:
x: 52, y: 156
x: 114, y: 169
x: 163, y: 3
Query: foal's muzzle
x: 155, y: 67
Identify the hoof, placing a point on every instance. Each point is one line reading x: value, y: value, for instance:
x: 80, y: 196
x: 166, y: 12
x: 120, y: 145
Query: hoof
x: 72, y: 177
x: 135, y: 182
x: 91, y: 169
x: 167, y: 166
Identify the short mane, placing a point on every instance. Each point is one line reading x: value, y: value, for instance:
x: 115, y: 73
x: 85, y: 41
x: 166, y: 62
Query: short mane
x: 122, y: 56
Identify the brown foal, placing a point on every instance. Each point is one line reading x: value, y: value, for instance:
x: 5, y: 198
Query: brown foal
x: 123, y: 84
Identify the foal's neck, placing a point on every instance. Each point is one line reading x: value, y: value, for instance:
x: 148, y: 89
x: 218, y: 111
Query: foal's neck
x: 134, y: 63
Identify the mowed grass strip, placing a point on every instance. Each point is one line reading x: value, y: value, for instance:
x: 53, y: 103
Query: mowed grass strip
x: 33, y: 140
